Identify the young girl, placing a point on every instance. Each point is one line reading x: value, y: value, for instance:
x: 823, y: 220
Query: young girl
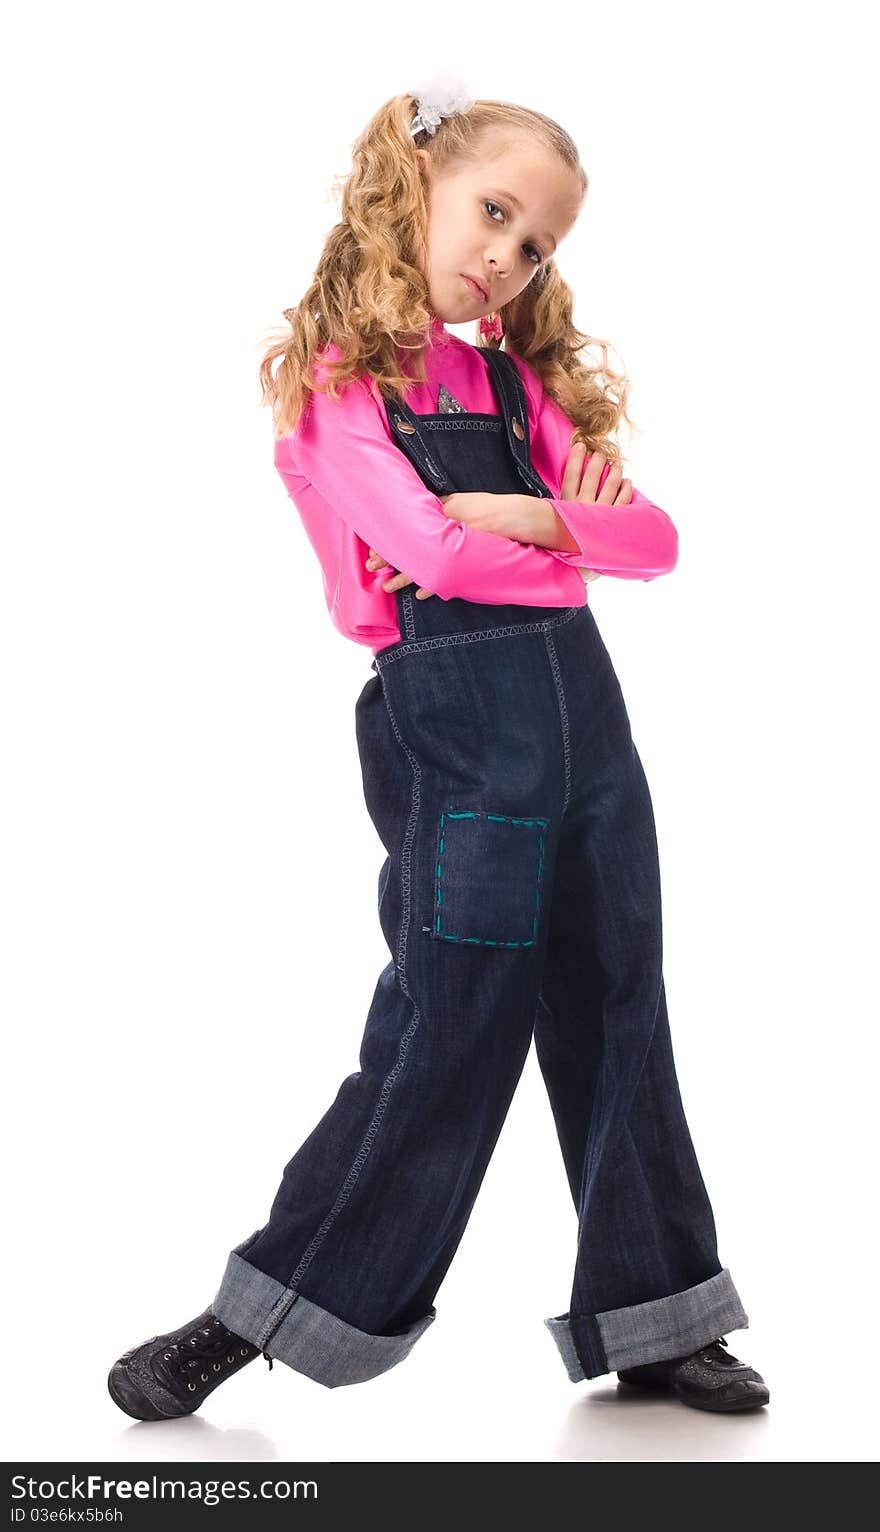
x: 520, y: 895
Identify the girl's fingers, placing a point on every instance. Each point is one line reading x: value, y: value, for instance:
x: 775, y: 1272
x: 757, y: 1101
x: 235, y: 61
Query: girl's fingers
x: 396, y: 581
x: 589, y: 485
x: 615, y: 491
x: 376, y: 561
x: 611, y: 486
x: 580, y: 480
x: 571, y: 479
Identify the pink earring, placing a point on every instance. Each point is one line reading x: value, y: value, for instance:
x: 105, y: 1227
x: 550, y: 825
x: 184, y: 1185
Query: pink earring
x: 490, y: 326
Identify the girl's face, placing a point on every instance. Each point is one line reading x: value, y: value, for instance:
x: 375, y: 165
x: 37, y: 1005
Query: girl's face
x: 498, y: 223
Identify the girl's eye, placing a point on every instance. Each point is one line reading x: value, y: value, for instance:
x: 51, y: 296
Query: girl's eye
x: 525, y: 247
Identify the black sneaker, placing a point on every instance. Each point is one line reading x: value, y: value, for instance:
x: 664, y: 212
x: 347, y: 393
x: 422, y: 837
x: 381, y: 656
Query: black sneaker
x: 709, y: 1379
x: 173, y: 1374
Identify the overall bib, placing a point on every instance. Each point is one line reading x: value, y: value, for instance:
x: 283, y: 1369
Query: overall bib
x: 520, y: 897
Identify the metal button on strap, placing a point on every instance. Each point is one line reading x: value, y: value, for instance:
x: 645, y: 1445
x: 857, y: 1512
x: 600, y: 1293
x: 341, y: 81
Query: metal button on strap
x: 404, y: 425
x: 517, y: 429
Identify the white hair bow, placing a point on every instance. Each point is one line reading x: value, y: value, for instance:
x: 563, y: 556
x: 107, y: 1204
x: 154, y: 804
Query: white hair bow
x: 439, y: 98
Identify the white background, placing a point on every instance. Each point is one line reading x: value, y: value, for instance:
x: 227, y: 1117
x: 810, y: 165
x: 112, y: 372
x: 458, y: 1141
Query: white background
x: 189, y: 917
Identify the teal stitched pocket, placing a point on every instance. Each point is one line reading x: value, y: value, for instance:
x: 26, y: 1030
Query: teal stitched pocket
x: 488, y: 878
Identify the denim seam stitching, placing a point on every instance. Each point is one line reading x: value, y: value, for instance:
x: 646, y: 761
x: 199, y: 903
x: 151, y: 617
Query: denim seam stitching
x: 563, y: 715
x: 485, y: 941
x: 408, y: 619
x: 457, y: 423
x: 392, y: 1075
x: 279, y: 1308
x: 442, y: 640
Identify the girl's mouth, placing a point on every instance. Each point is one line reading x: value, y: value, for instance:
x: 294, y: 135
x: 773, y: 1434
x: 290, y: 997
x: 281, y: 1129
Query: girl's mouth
x: 476, y: 289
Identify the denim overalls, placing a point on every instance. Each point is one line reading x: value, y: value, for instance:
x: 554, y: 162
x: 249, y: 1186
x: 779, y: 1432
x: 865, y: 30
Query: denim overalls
x: 520, y: 896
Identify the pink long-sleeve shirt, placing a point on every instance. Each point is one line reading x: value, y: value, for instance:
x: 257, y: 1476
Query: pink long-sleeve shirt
x: 355, y: 489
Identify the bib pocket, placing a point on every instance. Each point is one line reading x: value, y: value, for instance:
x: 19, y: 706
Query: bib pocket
x: 487, y: 878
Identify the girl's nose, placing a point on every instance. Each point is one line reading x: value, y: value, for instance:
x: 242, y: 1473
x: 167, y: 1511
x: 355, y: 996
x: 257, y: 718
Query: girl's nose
x: 498, y: 267
x: 501, y: 257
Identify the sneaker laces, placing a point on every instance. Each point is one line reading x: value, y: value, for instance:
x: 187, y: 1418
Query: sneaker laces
x: 205, y: 1352
x: 712, y: 1354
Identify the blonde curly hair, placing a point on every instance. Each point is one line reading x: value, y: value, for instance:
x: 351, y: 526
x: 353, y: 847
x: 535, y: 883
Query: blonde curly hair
x: 370, y: 293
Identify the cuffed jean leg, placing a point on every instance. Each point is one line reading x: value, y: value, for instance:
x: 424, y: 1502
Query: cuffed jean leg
x: 307, y: 1337
x: 593, y: 1344
x: 648, y: 1283
x: 341, y: 1281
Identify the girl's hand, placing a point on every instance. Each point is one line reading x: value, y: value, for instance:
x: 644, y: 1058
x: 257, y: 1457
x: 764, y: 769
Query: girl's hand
x: 615, y: 491
x: 398, y: 581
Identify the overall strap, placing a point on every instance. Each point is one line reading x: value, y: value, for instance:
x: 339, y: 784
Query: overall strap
x: 511, y: 393
x: 406, y: 432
